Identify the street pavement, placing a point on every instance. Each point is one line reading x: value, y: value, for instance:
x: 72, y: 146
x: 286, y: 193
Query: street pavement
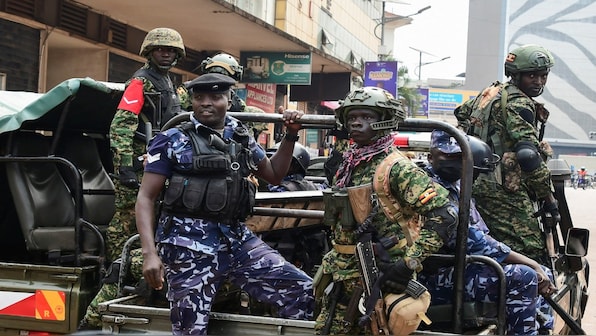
x: 582, y: 206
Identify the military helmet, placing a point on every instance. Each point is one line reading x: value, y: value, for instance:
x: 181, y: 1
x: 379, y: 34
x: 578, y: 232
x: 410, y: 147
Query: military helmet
x: 162, y: 37
x: 484, y: 159
x: 224, y: 64
x: 528, y: 58
x: 255, y: 125
x: 374, y: 98
x: 300, y: 155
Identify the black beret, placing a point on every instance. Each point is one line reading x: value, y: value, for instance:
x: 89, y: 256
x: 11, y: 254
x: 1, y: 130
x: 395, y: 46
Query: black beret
x: 211, y: 82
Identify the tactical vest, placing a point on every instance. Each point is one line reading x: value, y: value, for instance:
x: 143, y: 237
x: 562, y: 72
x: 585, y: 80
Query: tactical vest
x: 390, y: 206
x: 217, y: 187
x: 166, y: 103
x: 494, y: 99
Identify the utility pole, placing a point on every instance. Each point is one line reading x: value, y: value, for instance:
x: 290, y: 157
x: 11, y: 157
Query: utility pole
x: 385, y: 20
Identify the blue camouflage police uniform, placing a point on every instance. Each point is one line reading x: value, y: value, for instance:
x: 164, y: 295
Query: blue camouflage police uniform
x: 526, y: 310
x: 199, y: 254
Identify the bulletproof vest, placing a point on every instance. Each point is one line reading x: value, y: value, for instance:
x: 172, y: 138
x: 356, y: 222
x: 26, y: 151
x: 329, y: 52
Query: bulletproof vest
x: 161, y: 106
x: 217, y: 186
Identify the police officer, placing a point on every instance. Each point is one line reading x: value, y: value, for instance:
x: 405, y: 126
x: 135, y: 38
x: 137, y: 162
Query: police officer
x: 511, y: 122
x: 200, y: 234
x: 525, y: 278
x: 369, y: 115
x: 226, y: 64
x: 149, y: 96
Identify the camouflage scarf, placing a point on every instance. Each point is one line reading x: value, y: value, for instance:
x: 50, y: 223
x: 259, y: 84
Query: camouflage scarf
x: 354, y: 155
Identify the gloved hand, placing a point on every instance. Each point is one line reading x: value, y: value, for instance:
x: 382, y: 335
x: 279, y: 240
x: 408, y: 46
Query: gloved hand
x: 395, y: 276
x: 128, y: 177
x: 552, y: 206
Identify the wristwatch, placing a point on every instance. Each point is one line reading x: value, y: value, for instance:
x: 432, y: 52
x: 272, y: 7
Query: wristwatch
x: 412, y: 263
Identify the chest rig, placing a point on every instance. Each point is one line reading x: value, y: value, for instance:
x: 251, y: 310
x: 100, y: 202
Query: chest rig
x: 216, y: 187
x: 164, y: 104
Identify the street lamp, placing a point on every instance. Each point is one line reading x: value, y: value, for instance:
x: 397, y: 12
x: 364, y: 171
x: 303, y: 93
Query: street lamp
x: 420, y: 64
x: 385, y: 20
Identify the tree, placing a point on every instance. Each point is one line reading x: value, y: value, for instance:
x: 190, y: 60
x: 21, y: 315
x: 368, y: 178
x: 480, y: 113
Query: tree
x: 407, y: 93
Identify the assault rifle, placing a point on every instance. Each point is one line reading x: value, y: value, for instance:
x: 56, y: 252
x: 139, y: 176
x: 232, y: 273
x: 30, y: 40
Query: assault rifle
x: 369, y: 273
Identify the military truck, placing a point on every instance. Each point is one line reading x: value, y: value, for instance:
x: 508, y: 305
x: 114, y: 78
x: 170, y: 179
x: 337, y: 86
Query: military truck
x: 58, y: 198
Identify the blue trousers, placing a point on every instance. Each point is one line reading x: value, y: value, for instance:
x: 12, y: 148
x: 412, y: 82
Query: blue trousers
x: 194, y: 278
x: 523, y: 303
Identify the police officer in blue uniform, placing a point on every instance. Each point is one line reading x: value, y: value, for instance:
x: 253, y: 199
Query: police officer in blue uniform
x: 200, y: 234
x: 526, y: 279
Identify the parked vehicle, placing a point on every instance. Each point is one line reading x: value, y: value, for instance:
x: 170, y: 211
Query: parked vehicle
x: 55, y: 163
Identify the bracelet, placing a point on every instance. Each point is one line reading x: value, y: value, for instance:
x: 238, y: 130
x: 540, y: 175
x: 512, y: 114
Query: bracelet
x: 291, y: 137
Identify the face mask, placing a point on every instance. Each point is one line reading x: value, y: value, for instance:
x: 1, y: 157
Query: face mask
x: 449, y: 171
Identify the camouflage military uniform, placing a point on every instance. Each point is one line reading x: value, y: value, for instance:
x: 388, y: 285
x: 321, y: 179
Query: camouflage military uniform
x: 481, y: 282
x: 126, y: 151
x: 508, y: 199
x: 408, y: 182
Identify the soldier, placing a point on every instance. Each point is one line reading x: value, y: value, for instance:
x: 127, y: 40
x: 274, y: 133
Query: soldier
x: 511, y: 122
x: 525, y: 278
x: 201, y: 236
x: 149, y: 96
x: 369, y: 115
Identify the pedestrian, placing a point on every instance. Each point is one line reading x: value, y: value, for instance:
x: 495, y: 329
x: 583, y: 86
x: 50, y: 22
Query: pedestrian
x: 200, y: 233
x: 511, y: 122
x: 526, y: 280
x: 369, y: 115
x: 149, y: 96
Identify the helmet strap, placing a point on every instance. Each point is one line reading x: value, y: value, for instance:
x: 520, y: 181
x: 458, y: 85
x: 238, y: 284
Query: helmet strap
x: 162, y: 68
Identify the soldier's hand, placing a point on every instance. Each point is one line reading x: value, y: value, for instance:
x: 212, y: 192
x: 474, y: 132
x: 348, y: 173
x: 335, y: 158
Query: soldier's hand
x: 552, y: 207
x: 128, y: 177
x: 395, y: 276
x: 153, y: 271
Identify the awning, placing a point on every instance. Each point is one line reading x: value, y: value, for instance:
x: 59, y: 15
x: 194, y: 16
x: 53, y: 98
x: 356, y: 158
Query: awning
x: 330, y: 104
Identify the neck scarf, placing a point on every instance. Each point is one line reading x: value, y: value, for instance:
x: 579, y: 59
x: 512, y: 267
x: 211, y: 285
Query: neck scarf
x: 354, y: 155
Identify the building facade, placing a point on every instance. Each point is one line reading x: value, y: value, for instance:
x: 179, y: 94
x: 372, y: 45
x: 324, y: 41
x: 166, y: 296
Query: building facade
x: 45, y: 42
x: 563, y: 27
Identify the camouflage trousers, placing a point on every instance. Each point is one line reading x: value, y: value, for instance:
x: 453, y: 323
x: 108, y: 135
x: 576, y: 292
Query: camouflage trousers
x: 526, y: 309
x: 109, y: 291
x: 195, y: 277
x: 123, y: 224
x: 340, y: 323
x: 509, y: 216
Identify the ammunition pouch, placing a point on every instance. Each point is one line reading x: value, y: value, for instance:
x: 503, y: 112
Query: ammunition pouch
x: 404, y: 312
x: 360, y: 201
x: 212, y: 197
x: 337, y: 207
x: 511, y: 178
